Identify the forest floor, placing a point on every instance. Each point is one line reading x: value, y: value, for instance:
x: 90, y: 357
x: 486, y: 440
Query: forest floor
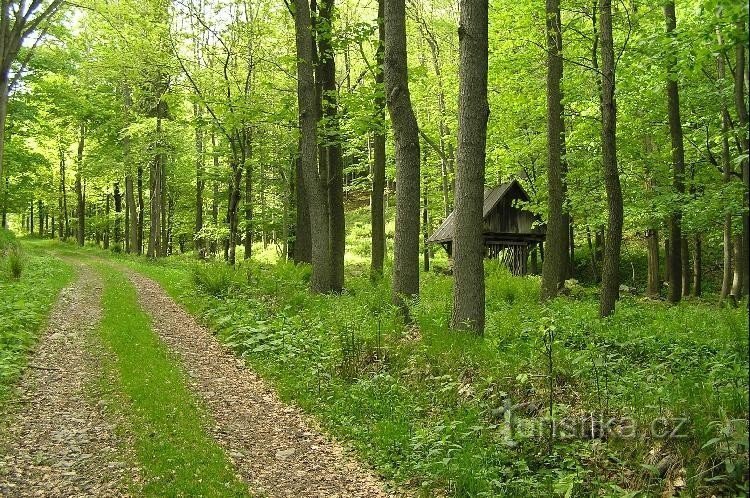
x: 125, y: 394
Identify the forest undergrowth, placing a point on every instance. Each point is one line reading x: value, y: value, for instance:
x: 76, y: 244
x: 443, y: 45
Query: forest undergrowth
x: 650, y: 400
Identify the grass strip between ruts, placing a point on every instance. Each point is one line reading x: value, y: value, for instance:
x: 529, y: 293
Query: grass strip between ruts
x: 176, y: 454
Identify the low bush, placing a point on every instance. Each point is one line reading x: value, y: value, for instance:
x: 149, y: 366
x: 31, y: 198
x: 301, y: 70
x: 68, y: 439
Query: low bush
x: 15, y: 262
x: 213, y: 278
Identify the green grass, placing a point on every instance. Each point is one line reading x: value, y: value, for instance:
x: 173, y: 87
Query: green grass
x: 25, y: 303
x: 422, y: 404
x: 176, y: 454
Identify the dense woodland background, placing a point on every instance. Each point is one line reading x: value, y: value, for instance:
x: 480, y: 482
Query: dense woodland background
x: 342, y: 135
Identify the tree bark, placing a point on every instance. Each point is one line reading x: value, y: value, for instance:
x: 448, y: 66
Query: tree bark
x: 303, y: 237
x: 613, y: 239
x: 377, y: 208
x: 200, y: 182
x: 406, y: 137
x: 118, y: 209
x: 334, y: 159
x: 653, y: 283
x: 726, y: 280
x: 249, y: 197
x: 678, y: 163
x: 473, y: 113
x: 739, y: 264
x: 106, y: 223
x: 131, y: 215
x: 315, y: 190
x: 156, y: 190
x: 697, y: 266
x: 685, y: 258
x: 555, y: 267
x: 213, y: 246
x: 80, y: 208
x: 141, y: 211
x: 742, y: 114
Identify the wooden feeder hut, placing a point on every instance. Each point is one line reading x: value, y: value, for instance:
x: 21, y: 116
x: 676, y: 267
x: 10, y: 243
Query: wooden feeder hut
x: 510, y: 231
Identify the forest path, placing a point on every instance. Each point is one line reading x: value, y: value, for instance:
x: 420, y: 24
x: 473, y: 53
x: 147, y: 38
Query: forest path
x: 275, y: 448
x: 59, y: 439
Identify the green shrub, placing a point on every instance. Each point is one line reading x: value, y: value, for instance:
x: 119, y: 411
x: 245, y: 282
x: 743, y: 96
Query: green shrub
x: 15, y: 262
x: 213, y: 278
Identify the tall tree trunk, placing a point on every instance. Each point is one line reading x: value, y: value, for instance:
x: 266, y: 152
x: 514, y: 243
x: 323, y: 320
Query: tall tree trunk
x: 106, y: 223
x: 406, y: 135
x: 334, y: 159
x: 249, y: 197
x: 213, y: 246
x: 377, y: 209
x: 80, y: 209
x: 40, y: 213
x: 118, y: 210
x: 726, y: 281
x: 4, y: 96
x: 667, y: 260
x: 685, y: 258
x: 156, y: 191
x: 132, y: 215
x: 141, y: 211
x: 697, y: 266
x: 678, y: 163
x: 425, y: 216
x: 653, y: 284
x: 555, y: 267
x: 303, y: 236
x: 63, y: 202
x: 742, y: 114
x: 473, y: 113
x: 31, y: 217
x: 613, y: 239
x: 315, y: 190
x: 163, y: 209
x: 739, y: 266
x: 200, y: 181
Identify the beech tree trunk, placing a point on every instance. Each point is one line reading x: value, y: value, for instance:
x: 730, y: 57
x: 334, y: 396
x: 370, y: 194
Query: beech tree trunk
x: 118, y: 209
x: 377, y: 208
x: 141, y: 211
x: 473, y: 113
x: 678, y: 163
x: 555, y: 267
x: 742, y: 114
x: 80, y: 207
x: 132, y: 215
x: 334, y: 159
x: 200, y: 182
x: 726, y: 280
x: 213, y: 246
x: 406, y: 137
x: 685, y: 258
x: 653, y: 283
x: 613, y: 239
x: 739, y: 266
x: 249, y: 196
x: 315, y: 190
x: 697, y: 266
x: 105, y: 237
x: 303, y: 238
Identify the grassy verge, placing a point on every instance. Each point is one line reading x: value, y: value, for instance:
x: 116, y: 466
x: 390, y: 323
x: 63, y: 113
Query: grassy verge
x: 178, y: 458
x: 25, y: 303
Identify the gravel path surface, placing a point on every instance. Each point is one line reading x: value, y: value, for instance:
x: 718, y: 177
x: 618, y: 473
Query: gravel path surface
x: 278, y: 450
x: 56, y: 439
